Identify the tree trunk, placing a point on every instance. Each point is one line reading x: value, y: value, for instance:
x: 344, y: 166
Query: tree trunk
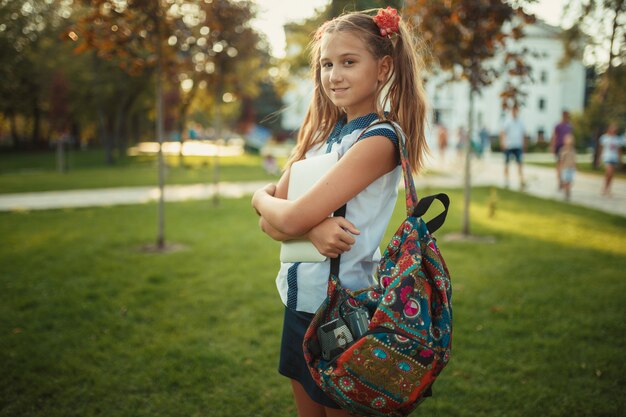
x: 120, y: 142
x: 182, y: 120
x: 105, y: 136
x: 123, y: 125
x: 160, y: 243
x: 467, y: 183
x: 180, y: 128
x: 15, y: 138
x: 103, y: 131
x: 36, y: 122
x: 118, y: 126
x: 61, y: 157
x: 218, y: 136
x: 135, y: 130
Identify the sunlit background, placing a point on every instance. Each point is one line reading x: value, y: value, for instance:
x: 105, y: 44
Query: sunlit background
x: 274, y: 13
x: 134, y: 279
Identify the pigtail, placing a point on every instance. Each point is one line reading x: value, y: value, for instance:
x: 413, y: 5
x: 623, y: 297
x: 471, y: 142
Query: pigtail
x: 406, y: 96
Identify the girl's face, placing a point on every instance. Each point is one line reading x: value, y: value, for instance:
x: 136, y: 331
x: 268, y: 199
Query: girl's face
x: 350, y: 74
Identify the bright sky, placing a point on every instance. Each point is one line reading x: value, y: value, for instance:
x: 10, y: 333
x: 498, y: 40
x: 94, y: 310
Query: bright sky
x: 273, y: 14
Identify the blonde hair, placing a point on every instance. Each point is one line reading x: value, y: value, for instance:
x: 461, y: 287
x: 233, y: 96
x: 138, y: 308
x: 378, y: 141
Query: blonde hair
x: 403, y: 91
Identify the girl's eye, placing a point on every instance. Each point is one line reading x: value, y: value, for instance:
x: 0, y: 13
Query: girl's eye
x: 326, y: 65
x: 348, y: 62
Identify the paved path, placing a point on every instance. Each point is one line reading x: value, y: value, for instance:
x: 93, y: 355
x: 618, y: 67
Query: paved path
x: 126, y: 195
x: 540, y: 182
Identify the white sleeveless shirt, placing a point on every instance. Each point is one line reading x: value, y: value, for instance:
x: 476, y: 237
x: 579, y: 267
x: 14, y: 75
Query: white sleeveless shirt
x: 303, y: 286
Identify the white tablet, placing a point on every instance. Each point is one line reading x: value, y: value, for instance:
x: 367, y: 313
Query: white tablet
x: 304, y: 174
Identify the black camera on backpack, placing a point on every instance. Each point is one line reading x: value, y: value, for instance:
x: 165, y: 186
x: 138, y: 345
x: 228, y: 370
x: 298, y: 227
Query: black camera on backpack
x: 339, y: 334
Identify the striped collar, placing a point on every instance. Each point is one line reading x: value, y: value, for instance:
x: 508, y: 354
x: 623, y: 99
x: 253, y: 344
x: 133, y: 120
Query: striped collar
x: 342, y: 128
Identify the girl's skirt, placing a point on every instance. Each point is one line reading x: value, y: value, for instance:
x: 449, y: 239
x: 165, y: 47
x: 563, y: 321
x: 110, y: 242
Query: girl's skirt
x: 292, y: 363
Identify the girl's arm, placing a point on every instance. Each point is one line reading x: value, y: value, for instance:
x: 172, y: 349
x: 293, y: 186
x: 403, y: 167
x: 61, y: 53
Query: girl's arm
x: 280, y: 191
x: 365, y: 162
x: 330, y: 237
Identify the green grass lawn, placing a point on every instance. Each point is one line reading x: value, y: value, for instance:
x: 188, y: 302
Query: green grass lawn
x: 92, y: 326
x: 29, y: 172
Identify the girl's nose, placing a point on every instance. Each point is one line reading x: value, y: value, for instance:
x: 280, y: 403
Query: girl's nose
x: 335, y: 75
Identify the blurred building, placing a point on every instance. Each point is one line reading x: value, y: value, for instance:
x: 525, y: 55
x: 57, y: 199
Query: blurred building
x: 552, y: 90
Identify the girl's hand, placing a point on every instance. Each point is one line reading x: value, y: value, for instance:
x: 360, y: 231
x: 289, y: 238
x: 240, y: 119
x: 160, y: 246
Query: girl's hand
x: 269, y: 189
x: 333, y: 236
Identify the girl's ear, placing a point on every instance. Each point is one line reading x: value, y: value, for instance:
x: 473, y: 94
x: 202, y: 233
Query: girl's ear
x: 384, y: 68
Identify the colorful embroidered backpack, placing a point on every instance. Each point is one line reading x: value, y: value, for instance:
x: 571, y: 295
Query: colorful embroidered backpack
x: 387, y: 367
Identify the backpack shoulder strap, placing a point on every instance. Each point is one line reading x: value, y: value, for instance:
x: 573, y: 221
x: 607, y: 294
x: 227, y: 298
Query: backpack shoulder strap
x: 341, y: 211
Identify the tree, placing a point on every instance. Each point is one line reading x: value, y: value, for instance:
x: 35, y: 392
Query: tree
x: 465, y: 36
x: 217, y: 51
x: 122, y: 39
x: 176, y: 41
x: 26, y: 31
x: 132, y: 34
x: 601, y: 26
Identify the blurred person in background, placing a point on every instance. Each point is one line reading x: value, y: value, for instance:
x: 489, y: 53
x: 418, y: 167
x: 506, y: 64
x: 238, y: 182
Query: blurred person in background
x: 512, y: 143
x: 611, y: 152
x: 561, y: 130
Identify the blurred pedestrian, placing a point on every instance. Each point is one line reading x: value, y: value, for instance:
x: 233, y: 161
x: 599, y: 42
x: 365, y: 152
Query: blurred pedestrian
x: 562, y: 129
x: 442, y: 141
x: 461, y: 135
x: 567, y: 161
x: 512, y: 143
x: 193, y: 133
x: 611, y: 151
x: 483, y: 141
x: 270, y: 165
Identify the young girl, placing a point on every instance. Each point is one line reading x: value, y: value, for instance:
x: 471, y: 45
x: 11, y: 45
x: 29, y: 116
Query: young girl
x: 361, y: 66
x: 567, y: 164
x: 611, y: 151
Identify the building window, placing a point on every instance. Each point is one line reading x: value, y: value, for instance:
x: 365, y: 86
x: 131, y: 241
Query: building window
x: 541, y: 135
x: 544, y: 77
x: 542, y: 104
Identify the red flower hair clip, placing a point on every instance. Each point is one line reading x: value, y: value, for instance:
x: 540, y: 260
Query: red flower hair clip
x: 387, y: 21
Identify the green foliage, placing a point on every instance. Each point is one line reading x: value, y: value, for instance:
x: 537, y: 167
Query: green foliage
x: 28, y: 45
x: 599, y: 29
x: 465, y: 35
x: 91, y: 325
x: 607, y: 104
x: 210, y: 44
x: 99, y: 81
